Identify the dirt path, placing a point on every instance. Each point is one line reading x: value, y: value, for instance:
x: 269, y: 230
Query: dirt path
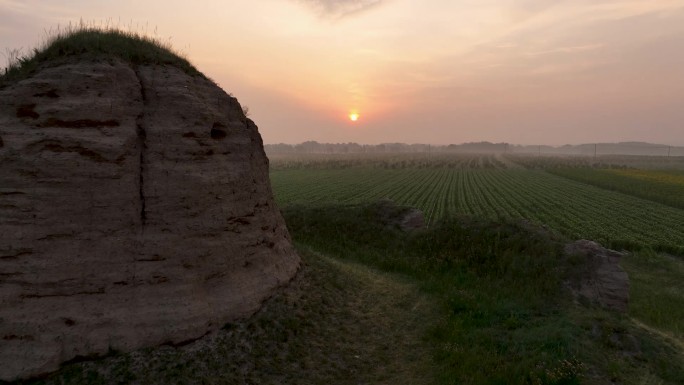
x: 336, y: 323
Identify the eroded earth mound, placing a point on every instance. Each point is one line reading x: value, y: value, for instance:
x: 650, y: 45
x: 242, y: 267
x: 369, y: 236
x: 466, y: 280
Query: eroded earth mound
x: 135, y: 210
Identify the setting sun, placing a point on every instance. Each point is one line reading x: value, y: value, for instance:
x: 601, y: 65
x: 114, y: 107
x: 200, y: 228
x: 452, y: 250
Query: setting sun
x: 354, y: 116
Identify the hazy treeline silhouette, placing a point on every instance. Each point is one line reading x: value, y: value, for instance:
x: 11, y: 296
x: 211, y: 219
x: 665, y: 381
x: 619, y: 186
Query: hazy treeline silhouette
x: 623, y: 148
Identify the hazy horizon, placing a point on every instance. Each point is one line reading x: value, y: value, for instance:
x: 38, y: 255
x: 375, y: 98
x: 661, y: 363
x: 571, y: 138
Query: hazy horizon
x: 523, y: 72
x: 485, y: 141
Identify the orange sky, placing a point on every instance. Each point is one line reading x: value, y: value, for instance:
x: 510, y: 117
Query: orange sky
x: 438, y: 71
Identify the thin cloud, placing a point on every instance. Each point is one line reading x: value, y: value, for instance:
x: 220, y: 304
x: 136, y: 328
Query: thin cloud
x: 567, y: 50
x: 341, y: 8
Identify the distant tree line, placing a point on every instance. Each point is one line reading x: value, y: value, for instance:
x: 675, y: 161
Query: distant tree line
x: 313, y: 147
x: 624, y: 148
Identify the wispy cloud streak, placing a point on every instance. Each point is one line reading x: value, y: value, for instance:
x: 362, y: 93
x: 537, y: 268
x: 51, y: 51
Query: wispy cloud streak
x: 341, y: 8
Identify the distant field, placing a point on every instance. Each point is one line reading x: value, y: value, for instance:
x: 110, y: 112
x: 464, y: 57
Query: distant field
x: 488, y: 187
x: 600, y: 162
x: 661, y: 186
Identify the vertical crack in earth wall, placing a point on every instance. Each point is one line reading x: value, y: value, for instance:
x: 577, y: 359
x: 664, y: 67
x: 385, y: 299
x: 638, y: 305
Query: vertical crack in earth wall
x: 142, y: 147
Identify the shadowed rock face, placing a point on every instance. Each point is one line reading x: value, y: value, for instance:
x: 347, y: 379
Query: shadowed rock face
x: 135, y: 210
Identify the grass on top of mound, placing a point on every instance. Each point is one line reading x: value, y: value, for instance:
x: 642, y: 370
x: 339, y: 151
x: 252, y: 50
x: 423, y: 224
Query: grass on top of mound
x: 93, y: 42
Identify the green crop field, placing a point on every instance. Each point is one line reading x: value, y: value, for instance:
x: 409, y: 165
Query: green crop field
x: 496, y: 328
x: 666, y: 187
x: 490, y: 187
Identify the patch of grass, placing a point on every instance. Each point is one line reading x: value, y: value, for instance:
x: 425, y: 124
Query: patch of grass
x: 657, y: 292
x: 89, y: 42
x: 505, y: 318
x: 510, y: 253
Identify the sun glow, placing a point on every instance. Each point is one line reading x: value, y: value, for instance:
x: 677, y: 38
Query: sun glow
x: 354, y: 116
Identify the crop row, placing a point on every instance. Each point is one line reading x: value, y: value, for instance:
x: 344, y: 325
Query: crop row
x: 574, y: 209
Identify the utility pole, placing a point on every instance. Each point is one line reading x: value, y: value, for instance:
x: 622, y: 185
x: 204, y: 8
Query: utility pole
x: 668, y: 151
x: 595, y: 145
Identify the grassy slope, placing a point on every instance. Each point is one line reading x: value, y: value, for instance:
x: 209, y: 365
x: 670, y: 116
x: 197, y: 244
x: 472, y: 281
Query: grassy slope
x: 657, y: 292
x: 336, y: 323
x: 505, y: 319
